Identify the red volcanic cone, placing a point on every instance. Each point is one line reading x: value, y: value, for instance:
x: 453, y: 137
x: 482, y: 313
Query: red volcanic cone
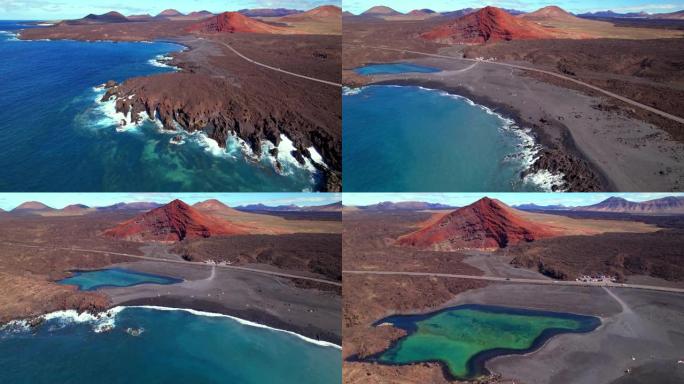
x: 229, y: 22
x: 485, y: 224
x: 173, y: 222
x: 489, y: 24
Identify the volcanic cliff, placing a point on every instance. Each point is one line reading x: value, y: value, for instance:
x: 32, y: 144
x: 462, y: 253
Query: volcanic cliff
x: 489, y: 24
x: 485, y: 224
x: 173, y: 222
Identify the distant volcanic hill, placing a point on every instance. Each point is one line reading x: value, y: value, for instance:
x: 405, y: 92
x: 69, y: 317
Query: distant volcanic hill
x: 75, y: 208
x: 485, y: 224
x: 109, y: 17
x: 322, y: 13
x: 268, y: 12
x: 666, y: 205
x: 136, y: 206
x: 679, y: 15
x: 142, y: 17
x: 230, y: 22
x: 167, y: 13
x: 213, y: 206
x: 551, y: 12
x: 200, y: 14
x: 489, y: 24
x: 381, y: 10
x: 32, y: 206
x: 173, y: 222
x: 404, y: 206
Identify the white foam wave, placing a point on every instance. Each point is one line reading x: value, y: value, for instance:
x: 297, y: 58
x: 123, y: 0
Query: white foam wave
x: 546, y: 180
x: 239, y: 320
x: 101, y: 322
x: 11, y: 36
x: 349, y: 91
x: 162, y: 61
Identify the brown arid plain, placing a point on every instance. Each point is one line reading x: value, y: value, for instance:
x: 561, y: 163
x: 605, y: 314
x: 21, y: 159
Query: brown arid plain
x: 603, y: 98
x: 493, y: 254
x: 277, y: 269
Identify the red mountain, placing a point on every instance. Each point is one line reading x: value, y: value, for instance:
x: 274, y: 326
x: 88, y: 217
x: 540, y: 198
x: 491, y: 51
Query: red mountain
x: 229, y: 22
x: 174, y: 221
x: 485, y: 224
x: 169, y: 13
x: 381, y: 10
x: 489, y: 24
x: 32, y: 206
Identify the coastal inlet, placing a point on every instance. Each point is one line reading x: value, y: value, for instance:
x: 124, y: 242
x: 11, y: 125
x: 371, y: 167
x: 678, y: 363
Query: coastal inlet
x: 408, y: 138
x: 61, y: 131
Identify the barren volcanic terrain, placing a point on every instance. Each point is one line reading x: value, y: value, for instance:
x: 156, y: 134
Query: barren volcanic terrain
x: 384, y: 277
x: 603, y: 98
x: 289, y: 280
x: 239, y: 77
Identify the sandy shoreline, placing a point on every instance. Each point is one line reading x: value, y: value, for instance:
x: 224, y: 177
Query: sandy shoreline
x: 262, y: 299
x: 596, y: 146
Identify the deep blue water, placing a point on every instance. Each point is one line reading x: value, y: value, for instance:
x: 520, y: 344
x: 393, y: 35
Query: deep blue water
x: 54, y: 136
x: 114, y: 277
x: 412, y: 139
x: 174, y: 347
x: 383, y: 69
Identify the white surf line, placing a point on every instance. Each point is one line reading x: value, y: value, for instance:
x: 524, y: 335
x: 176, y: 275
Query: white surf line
x: 517, y: 280
x: 278, y: 69
x: 237, y: 319
x: 595, y: 88
x: 150, y: 258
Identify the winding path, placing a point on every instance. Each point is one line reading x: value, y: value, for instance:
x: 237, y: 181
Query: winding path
x: 516, y: 280
x: 595, y: 88
x: 150, y: 258
x: 278, y: 69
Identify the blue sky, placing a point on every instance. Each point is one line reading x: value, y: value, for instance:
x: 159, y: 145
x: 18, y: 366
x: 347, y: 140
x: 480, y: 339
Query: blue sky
x: 461, y: 199
x: 69, y: 9
x: 575, y: 6
x: 60, y: 200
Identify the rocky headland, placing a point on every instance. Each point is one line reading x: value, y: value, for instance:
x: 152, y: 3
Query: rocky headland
x: 220, y: 93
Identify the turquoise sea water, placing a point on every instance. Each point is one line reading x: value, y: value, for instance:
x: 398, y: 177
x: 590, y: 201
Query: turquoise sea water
x: 114, y: 277
x: 149, y: 345
x: 406, y: 138
x: 55, y: 136
x: 383, y: 69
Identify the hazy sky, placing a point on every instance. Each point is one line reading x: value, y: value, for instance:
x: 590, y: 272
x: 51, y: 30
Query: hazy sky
x: 60, y: 200
x: 461, y: 199
x: 70, y: 9
x: 575, y: 6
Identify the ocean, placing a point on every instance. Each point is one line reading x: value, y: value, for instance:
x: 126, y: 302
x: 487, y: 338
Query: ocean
x: 413, y: 139
x: 161, y: 345
x: 56, y: 136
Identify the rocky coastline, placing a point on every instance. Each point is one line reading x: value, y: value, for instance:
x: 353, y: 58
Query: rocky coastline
x: 579, y: 175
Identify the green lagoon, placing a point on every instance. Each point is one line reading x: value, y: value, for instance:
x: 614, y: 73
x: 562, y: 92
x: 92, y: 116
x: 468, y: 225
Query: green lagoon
x: 462, y: 338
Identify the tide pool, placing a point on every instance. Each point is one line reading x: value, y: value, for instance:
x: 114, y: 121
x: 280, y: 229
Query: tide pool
x: 412, y: 139
x: 114, y: 277
x: 462, y: 338
x: 384, y: 69
x: 161, y: 345
x: 56, y: 136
